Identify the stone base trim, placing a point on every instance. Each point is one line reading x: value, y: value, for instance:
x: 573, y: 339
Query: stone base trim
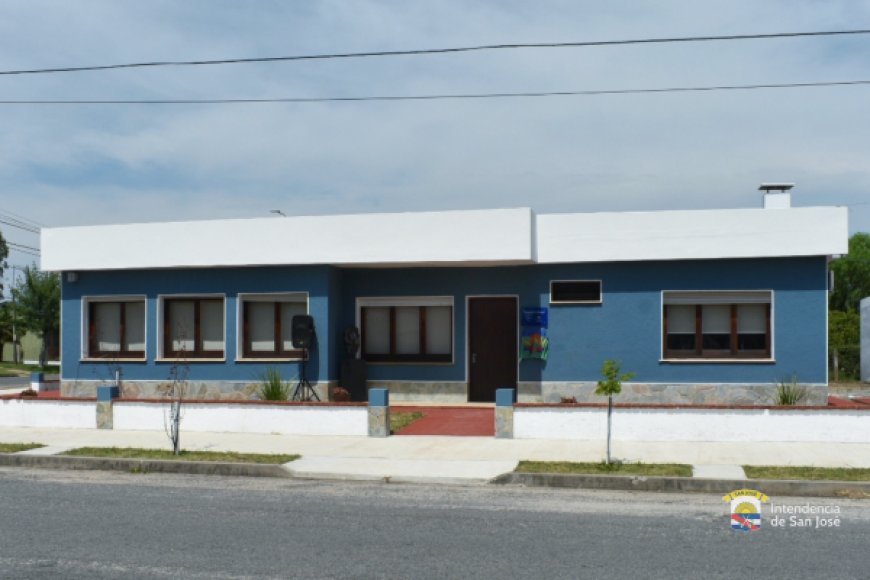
x: 681, y: 393
x: 424, y: 392
x: 198, y: 390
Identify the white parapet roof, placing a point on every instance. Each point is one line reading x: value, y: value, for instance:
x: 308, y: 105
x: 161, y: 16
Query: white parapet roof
x: 478, y: 236
x: 688, y: 235
x: 472, y: 237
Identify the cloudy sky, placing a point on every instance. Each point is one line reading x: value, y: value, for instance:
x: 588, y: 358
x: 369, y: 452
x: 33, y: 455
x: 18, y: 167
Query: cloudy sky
x: 71, y: 165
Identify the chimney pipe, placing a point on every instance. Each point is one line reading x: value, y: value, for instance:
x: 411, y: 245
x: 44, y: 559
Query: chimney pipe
x: 776, y: 195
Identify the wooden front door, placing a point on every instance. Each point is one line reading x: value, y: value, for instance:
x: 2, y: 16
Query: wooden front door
x: 492, y: 346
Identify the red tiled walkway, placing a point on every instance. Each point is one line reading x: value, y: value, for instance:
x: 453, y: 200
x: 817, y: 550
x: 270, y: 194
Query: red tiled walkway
x: 467, y: 421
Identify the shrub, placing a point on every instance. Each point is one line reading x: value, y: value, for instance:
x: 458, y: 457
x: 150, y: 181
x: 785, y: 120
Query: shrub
x: 789, y: 392
x: 340, y: 395
x: 272, y: 388
x: 566, y: 400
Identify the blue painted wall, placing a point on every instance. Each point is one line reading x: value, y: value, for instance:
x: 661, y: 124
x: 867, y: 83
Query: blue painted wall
x: 318, y: 281
x: 627, y: 326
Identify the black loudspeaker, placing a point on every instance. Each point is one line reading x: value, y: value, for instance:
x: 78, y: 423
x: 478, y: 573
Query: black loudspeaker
x: 302, y: 332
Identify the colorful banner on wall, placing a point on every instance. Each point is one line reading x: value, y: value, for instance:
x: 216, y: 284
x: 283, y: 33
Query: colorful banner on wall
x: 535, y: 344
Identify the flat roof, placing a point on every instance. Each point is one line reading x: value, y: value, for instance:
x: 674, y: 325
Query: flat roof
x: 451, y: 238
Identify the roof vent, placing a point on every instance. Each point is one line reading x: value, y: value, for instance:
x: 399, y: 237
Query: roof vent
x: 776, y: 195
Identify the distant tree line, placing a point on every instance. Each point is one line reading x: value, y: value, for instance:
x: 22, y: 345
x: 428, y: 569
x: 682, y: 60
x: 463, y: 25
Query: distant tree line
x: 34, y: 305
x: 851, y: 285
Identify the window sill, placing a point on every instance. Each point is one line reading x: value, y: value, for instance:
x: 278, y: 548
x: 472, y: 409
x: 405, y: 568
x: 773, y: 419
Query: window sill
x: 89, y: 359
x: 408, y: 363
x: 717, y: 360
x: 271, y: 359
x: 189, y: 360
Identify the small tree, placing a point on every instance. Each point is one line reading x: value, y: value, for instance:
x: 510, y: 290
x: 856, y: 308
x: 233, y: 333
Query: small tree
x: 176, y: 390
x: 5, y: 326
x: 4, y: 253
x: 852, y: 275
x: 611, y: 385
x: 37, y: 299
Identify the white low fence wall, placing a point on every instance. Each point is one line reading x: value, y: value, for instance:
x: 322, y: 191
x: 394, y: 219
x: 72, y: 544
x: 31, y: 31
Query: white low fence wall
x: 246, y: 418
x: 693, y: 424
x: 62, y: 414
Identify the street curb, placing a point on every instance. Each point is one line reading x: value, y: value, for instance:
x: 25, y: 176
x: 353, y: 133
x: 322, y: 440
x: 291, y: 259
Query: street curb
x: 144, y: 465
x: 783, y: 487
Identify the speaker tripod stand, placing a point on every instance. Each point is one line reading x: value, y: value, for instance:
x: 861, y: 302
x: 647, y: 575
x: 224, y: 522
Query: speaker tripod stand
x: 304, y: 391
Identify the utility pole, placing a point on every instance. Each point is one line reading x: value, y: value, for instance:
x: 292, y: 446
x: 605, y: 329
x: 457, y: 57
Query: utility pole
x: 14, y: 318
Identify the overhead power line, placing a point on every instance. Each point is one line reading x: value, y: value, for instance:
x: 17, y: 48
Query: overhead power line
x: 453, y: 50
x: 25, y: 249
x: 20, y: 225
x: 19, y: 218
x: 454, y: 96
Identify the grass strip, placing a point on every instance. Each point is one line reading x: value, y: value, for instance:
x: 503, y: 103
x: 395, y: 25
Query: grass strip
x: 601, y: 468
x: 16, y: 447
x: 814, y: 473
x: 23, y: 370
x: 137, y: 453
x: 399, y: 421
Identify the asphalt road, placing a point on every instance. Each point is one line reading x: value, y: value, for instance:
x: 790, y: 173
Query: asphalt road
x: 111, y: 525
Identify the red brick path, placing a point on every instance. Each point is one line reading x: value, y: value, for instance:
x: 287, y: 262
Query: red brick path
x: 460, y: 421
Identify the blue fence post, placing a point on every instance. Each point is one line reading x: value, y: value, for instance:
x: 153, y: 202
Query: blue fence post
x: 106, y: 395
x: 379, y: 413
x: 504, y: 413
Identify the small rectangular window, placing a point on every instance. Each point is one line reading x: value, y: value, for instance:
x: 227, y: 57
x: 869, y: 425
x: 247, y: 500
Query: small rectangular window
x: 575, y: 292
x: 267, y: 325
x: 193, y: 328
x: 116, y: 329
x: 407, y: 333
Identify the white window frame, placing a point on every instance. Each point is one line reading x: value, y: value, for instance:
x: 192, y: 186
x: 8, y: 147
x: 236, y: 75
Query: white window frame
x: 240, y: 314
x: 408, y: 301
x: 86, y: 301
x: 161, y: 306
x: 704, y: 297
x: 560, y: 302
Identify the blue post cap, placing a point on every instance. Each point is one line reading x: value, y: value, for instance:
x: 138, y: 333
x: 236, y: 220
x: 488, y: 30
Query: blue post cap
x: 37, y: 377
x: 379, y: 397
x: 505, y: 397
x: 107, y: 392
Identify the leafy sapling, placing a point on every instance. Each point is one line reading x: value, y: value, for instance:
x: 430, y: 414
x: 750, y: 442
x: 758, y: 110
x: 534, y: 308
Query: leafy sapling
x: 611, y: 385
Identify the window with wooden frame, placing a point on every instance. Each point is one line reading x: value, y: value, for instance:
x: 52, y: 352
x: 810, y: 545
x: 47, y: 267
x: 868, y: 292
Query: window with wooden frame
x: 267, y: 325
x: 193, y: 327
x: 116, y: 329
x: 717, y: 325
x: 407, y: 333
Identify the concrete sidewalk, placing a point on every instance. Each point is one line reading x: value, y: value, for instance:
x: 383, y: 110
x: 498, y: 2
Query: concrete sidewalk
x: 451, y: 459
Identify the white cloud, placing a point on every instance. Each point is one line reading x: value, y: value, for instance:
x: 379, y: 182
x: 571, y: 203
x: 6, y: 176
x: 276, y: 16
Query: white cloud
x: 132, y: 163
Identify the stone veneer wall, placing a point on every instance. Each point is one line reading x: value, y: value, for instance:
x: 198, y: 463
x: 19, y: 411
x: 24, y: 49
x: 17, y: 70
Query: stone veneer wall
x: 457, y: 392
x: 695, y: 394
x: 200, y: 390
x: 584, y: 392
x: 420, y: 391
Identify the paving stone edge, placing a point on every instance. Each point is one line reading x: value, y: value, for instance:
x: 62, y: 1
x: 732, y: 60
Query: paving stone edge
x: 800, y: 488
x: 794, y: 488
x: 144, y: 465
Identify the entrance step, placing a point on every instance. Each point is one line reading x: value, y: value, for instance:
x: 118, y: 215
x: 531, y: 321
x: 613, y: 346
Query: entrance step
x: 457, y: 421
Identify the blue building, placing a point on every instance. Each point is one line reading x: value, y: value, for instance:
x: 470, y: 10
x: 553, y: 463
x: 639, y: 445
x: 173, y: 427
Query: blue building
x: 710, y: 306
